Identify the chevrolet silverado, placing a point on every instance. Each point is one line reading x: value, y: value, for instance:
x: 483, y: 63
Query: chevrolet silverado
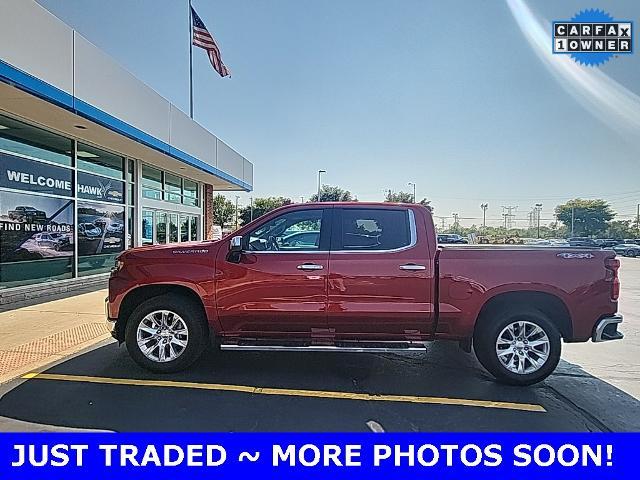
x: 371, y: 278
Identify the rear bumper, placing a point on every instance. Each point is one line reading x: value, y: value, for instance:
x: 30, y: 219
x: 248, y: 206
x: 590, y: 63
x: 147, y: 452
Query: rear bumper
x: 607, y: 329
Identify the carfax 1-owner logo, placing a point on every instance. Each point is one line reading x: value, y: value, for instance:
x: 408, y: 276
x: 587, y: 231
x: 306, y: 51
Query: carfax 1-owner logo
x: 592, y: 37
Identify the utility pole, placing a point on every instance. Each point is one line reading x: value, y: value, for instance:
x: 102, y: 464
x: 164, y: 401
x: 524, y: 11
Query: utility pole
x: 320, y: 172
x: 237, y: 197
x: 251, y: 210
x: 484, y: 207
x: 456, y: 224
x: 414, y: 190
x: 442, y: 219
x: 508, y: 217
x: 638, y: 220
x: 538, y: 211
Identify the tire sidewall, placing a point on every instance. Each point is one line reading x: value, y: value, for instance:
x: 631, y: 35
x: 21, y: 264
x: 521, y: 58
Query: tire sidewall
x: 486, y: 336
x: 193, y: 319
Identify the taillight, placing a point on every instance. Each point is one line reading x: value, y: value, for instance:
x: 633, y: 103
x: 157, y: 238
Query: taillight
x: 612, y: 265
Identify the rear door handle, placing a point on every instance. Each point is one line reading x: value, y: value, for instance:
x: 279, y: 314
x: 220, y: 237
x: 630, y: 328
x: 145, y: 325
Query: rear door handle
x: 412, y: 266
x: 310, y: 266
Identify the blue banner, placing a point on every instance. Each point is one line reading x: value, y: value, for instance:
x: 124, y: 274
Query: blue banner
x: 72, y: 456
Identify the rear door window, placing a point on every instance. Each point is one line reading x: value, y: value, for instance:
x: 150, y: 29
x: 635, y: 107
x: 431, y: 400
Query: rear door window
x: 370, y: 229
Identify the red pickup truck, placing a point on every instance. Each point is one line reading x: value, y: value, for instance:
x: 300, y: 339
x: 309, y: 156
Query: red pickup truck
x: 361, y: 277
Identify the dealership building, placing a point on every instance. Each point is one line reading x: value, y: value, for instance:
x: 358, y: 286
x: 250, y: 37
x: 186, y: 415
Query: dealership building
x: 92, y: 160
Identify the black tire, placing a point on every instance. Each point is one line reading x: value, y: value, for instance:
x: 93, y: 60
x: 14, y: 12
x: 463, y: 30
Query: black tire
x: 486, y: 335
x: 195, y: 322
x: 630, y: 253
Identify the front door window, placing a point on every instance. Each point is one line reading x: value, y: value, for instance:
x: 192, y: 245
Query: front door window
x: 293, y: 231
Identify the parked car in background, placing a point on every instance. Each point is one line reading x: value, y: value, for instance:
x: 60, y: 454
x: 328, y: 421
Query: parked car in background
x: 377, y: 281
x: 115, y: 227
x: 451, y: 238
x: 89, y: 230
x: 54, y: 240
x: 27, y: 214
x: 582, y: 242
x: 628, y: 249
x: 609, y: 242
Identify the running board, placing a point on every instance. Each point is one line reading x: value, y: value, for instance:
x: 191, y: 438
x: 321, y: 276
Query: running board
x: 362, y: 348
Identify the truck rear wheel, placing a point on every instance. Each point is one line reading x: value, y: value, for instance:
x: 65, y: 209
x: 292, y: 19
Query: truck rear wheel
x: 517, y: 347
x: 166, y: 333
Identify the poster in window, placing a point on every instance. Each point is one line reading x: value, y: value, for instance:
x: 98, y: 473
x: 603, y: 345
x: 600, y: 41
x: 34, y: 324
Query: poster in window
x: 34, y: 227
x: 100, y: 228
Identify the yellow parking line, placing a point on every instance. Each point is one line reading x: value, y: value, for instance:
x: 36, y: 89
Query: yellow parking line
x: 527, y: 407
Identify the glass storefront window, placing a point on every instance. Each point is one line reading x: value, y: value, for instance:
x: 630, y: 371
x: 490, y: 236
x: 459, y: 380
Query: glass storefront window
x: 131, y: 227
x: 151, y: 183
x: 190, y: 193
x: 98, y: 161
x: 147, y: 227
x: 184, y: 228
x: 161, y: 227
x: 173, y: 228
x: 172, y: 188
x: 23, y: 139
x: 36, y: 239
x: 131, y: 169
x: 100, y: 236
x: 194, y: 228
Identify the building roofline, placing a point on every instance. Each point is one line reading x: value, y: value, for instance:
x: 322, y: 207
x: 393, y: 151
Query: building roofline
x: 38, y: 87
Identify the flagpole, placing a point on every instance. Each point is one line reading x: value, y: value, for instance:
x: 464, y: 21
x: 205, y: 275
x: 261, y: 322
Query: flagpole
x: 190, y: 62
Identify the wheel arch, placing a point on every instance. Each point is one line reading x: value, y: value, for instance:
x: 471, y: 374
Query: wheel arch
x: 549, y: 304
x: 137, y: 295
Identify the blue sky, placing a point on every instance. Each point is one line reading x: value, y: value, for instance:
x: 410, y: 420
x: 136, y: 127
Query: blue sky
x: 449, y: 95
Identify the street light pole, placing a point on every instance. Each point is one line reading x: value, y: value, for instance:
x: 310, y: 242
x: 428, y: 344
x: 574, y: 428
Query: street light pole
x: 320, y: 172
x: 573, y: 219
x: 538, y: 211
x: 251, y: 210
x: 414, y: 190
x: 484, y: 207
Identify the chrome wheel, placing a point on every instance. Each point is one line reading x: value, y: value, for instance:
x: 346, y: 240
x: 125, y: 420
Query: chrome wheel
x: 162, y: 336
x: 523, y: 347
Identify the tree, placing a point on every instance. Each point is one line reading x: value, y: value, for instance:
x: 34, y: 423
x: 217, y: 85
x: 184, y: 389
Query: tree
x: 330, y: 193
x: 621, y: 229
x: 590, y: 217
x: 262, y: 206
x: 223, y: 210
x: 404, y: 197
x: 398, y: 197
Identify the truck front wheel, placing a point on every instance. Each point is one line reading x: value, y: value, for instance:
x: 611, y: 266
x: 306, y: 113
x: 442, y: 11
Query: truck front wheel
x: 166, y: 333
x: 517, y: 347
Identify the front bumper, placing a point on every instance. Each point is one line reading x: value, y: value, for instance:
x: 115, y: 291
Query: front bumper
x: 607, y: 329
x: 111, y: 322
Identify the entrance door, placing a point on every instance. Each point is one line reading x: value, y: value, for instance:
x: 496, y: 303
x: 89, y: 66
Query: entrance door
x: 279, y: 285
x: 380, y: 284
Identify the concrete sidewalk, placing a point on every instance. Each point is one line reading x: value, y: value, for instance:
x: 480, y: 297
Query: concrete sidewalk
x: 34, y: 336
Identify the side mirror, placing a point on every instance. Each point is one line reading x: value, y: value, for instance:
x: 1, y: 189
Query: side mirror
x: 235, y: 245
x: 235, y: 249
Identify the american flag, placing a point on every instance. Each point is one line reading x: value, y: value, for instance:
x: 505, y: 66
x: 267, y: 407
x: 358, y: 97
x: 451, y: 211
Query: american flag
x: 203, y: 39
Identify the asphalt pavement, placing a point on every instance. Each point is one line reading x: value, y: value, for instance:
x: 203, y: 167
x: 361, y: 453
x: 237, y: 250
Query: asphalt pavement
x: 442, y: 390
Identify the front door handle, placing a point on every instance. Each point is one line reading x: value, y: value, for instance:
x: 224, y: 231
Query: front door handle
x: 412, y: 266
x: 310, y: 266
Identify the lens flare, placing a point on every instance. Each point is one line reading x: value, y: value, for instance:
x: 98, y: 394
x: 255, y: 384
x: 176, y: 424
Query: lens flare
x: 605, y: 98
